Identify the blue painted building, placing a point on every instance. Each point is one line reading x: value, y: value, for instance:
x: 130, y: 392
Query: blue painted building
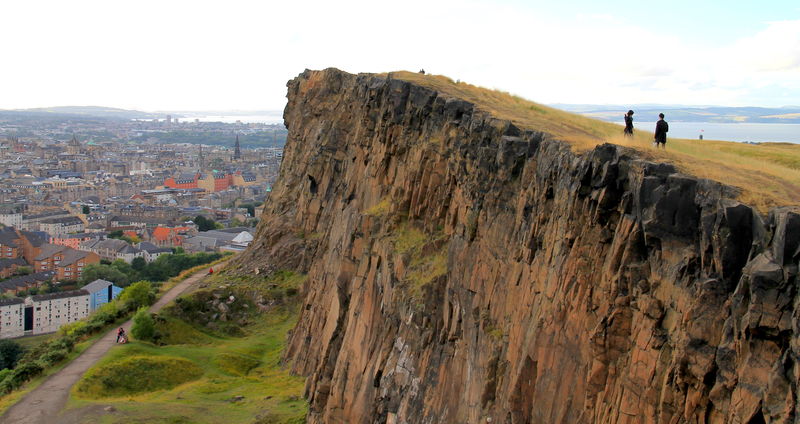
x: 100, y: 292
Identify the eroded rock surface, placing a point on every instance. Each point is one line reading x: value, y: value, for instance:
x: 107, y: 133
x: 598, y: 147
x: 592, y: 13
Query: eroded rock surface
x: 592, y: 287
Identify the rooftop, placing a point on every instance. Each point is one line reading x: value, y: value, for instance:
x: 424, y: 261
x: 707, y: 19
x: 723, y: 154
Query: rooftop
x: 60, y: 295
x: 97, y: 285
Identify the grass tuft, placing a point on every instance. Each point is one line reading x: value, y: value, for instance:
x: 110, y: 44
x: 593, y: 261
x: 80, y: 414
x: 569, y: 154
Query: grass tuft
x: 235, y: 363
x: 381, y: 208
x: 426, y: 254
x: 135, y: 375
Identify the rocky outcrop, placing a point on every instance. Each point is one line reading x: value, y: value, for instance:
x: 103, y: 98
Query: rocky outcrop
x: 463, y: 270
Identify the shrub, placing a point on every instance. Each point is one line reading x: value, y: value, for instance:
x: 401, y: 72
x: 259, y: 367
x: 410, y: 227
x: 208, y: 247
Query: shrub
x: 10, y: 352
x: 52, y: 357
x: 22, y: 373
x: 144, y: 327
x: 76, y: 328
x: 4, y: 374
x: 137, y: 295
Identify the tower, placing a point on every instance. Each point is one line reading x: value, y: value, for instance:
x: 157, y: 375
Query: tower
x: 74, y: 146
x: 237, y: 153
x: 201, y: 159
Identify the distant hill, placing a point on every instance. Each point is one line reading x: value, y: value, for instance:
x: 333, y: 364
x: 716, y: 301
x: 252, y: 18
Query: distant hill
x: 94, y: 111
x: 720, y: 114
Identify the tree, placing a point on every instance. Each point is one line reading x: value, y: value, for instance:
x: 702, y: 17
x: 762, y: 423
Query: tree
x: 115, y: 234
x: 86, y: 210
x: 144, y: 327
x: 104, y: 272
x: 217, y: 163
x: 204, y: 224
x: 235, y: 223
x: 138, y: 263
x: 23, y: 270
x: 10, y: 352
x: 138, y: 295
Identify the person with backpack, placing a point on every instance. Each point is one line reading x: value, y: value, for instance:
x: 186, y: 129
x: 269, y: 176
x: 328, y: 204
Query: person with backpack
x: 661, y: 132
x: 628, y: 124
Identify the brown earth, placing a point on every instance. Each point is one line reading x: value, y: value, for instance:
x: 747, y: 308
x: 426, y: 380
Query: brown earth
x: 577, y: 287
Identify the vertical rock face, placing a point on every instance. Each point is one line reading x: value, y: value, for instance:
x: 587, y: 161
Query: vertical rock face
x: 464, y: 270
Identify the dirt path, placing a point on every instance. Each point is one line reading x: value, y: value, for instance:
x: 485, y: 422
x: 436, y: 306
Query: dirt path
x: 43, y: 404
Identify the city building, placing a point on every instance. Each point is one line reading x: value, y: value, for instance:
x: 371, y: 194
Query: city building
x: 228, y: 239
x: 45, y: 313
x: 10, y: 243
x: 112, y: 249
x: 101, y: 292
x: 14, y: 285
x: 8, y: 266
x: 67, y: 263
x: 11, y: 318
x: 74, y: 240
x: 61, y: 226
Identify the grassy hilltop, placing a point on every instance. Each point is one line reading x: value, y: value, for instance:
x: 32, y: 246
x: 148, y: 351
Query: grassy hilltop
x: 767, y: 174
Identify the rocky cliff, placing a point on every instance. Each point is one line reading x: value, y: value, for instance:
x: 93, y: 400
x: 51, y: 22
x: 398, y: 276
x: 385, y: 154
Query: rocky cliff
x: 463, y: 270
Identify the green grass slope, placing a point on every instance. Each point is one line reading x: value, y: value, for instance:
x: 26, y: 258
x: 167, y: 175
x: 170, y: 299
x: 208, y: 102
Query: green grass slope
x: 240, y: 377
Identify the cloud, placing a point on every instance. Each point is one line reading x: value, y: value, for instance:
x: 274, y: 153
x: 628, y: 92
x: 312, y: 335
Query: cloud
x: 203, y: 55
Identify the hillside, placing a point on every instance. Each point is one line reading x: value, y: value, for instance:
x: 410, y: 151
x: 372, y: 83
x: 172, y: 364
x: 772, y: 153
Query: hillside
x: 465, y: 265
x: 92, y: 111
x: 767, y: 174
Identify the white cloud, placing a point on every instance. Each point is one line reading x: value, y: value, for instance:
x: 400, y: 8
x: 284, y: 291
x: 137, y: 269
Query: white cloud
x: 239, y: 54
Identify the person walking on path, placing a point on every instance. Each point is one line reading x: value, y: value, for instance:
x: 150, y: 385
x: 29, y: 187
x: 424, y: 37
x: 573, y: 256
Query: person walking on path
x: 661, y: 132
x: 629, y: 124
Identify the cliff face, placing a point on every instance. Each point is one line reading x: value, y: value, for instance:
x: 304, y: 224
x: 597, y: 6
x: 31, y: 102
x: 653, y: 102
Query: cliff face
x: 463, y: 270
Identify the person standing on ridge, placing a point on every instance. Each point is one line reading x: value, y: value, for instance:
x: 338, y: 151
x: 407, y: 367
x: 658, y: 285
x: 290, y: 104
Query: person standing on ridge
x: 661, y: 132
x: 629, y: 124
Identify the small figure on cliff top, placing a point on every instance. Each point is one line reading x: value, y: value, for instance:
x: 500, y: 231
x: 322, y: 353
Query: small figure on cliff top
x: 661, y: 132
x: 422, y: 71
x: 629, y: 124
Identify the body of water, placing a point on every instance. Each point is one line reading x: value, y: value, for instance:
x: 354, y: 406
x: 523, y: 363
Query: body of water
x: 727, y: 131
x: 276, y: 118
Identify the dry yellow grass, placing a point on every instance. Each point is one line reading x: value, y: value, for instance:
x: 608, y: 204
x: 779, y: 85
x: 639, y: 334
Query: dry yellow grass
x: 767, y: 174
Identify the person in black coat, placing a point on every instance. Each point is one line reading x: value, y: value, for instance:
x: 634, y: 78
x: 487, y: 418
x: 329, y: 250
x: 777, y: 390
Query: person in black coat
x: 629, y: 124
x: 661, y: 132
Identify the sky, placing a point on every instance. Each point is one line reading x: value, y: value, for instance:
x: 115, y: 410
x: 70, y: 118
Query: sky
x: 214, y: 55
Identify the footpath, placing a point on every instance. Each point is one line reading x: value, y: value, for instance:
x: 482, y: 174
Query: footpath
x: 43, y: 404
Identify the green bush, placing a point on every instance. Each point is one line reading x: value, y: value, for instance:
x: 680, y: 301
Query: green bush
x: 22, y: 373
x: 52, y: 357
x: 144, y: 327
x: 10, y: 353
x: 137, y: 295
x: 4, y: 374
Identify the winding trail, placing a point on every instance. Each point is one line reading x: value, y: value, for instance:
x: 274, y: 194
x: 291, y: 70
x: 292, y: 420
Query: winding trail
x: 44, y: 403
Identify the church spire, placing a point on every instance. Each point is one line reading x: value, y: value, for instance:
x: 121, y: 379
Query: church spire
x: 237, y: 153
